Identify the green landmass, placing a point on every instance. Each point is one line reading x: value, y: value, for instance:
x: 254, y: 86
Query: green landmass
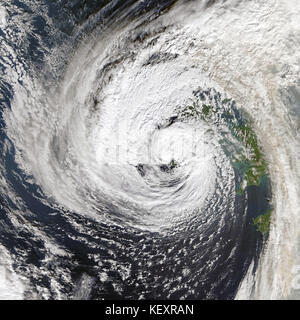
x: 252, y: 164
x: 205, y: 109
x: 173, y: 164
x: 255, y: 164
x: 262, y: 222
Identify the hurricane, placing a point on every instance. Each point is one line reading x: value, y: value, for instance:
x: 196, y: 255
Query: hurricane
x: 149, y: 149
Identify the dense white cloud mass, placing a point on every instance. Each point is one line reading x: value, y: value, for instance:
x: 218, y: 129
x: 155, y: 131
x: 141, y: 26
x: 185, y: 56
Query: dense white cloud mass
x: 108, y: 142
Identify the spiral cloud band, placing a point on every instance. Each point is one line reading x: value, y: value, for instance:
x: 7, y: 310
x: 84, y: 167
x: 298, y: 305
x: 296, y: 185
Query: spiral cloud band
x: 150, y: 149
